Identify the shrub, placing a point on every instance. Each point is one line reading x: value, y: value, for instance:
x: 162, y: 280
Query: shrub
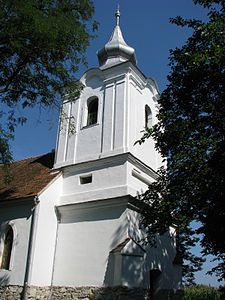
x: 201, y: 292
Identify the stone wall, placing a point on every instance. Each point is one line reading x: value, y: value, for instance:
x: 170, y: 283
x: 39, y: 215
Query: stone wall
x: 84, y: 293
x: 12, y: 292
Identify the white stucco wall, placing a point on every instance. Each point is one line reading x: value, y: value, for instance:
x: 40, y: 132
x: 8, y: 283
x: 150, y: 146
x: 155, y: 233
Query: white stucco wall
x: 137, y: 180
x: 139, y: 98
x: 89, y: 229
x: 122, y: 92
x: 159, y: 258
x: 45, y: 235
x: 109, y: 178
x: 18, y: 215
x: 87, y: 233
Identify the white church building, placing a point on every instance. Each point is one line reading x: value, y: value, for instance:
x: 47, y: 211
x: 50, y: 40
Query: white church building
x: 69, y: 227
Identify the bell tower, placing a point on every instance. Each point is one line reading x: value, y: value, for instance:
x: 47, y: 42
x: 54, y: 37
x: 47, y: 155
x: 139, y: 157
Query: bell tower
x: 117, y: 102
x: 103, y: 171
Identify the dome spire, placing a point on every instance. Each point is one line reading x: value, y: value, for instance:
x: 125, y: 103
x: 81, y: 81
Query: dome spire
x: 116, y: 50
x: 117, y: 14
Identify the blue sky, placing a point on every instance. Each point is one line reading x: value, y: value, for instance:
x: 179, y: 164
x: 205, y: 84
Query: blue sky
x: 145, y: 26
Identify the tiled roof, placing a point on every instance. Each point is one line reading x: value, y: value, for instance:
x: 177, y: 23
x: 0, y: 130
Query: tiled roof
x: 28, y: 177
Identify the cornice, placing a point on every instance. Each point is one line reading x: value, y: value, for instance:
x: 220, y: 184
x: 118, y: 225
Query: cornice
x: 112, y: 160
x: 76, y: 208
x: 142, y: 166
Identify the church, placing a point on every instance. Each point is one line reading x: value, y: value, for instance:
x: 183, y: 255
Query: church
x: 69, y: 227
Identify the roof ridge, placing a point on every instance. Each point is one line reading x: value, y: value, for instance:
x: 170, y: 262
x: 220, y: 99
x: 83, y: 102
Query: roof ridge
x: 31, y: 157
x: 29, y: 177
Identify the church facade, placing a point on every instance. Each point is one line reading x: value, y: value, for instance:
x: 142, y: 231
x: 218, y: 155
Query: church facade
x: 70, y: 229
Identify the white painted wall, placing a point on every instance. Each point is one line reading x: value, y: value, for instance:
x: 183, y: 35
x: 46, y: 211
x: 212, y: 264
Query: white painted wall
x: 89, y: 228
x: 139, y: 97
x: 86, y: 236
x: 89, y: 231
x: 160, y: 257
x: 108, y: 180
x: 133, y: 272
x: 18, y: 215
x: 71, y: 145
x: 111, y: 177
x: 123, y: 92
x: 45, y: 235
x: 138, y: 180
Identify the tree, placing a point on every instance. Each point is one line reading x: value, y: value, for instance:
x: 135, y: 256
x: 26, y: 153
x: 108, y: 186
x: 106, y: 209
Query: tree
x: 190, y: 134
x: 199, y: 292
x: 42, y: 43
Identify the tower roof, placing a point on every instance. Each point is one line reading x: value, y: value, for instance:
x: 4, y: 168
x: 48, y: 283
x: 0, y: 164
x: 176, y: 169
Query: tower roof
x: 116, y: 50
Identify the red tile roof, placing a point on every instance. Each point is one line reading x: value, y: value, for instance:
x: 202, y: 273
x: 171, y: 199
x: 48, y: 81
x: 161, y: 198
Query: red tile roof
x: 28, y: 177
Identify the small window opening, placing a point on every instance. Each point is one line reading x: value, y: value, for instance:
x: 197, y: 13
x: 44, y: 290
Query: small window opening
x: 92, y: 115
x: 85, y: 179
x: 7, y: 249
x: 148, y: 117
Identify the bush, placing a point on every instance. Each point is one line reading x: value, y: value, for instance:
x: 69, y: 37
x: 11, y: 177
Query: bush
x: 202, y: 292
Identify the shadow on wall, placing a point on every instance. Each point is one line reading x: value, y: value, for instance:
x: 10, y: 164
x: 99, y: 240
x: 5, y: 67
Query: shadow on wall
x: 4, y: 279
x: 110, y: 271
x: 124, y: 270
x: 171, y: 268
x: 133, y: 263
x: 126, y: 261
x: 93, y: 214
x: 118, y: 286
x: 112, y: 277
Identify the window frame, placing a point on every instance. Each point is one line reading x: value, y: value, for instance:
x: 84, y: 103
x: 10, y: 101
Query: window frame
x: 86, y: 179
x: 5, y: 227
x: 148, y: 117
x: 84, y: 122
x: 93, y: 101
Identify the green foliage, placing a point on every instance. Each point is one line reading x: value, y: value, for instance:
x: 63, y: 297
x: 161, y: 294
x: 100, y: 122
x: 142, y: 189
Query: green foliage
x: 201, y: 292
x: 42, y: 43
x: 190, y: 134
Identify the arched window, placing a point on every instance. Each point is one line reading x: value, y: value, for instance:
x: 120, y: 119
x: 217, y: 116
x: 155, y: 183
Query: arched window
x: 92, y: 113
x: 148, y: 117
x: 7, y: 249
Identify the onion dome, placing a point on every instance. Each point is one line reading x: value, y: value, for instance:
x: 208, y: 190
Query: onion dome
x: 116, y: 50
